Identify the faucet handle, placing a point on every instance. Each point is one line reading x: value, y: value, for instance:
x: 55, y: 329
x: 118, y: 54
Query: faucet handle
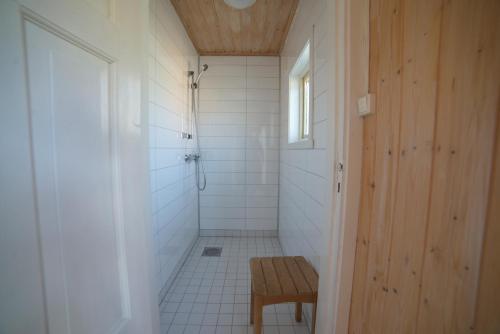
x: 192, y: 156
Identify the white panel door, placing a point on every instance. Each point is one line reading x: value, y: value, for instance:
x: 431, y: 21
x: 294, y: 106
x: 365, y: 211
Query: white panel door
x: 72, y: 148
x: 72, y: 124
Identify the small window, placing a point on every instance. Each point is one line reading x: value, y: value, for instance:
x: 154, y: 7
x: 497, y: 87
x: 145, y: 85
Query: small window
x: 300, y: 101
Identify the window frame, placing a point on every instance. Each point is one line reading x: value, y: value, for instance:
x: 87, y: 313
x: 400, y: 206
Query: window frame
x: 298, y: 137
x: 304, y: 106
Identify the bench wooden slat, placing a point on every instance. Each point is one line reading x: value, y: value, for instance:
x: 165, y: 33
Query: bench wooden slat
x: 282, y: 279
x: 308, y: 272
x: 258, y: 282
x: 286, y: 281
x: 297, y: 276
x: 272, y: 282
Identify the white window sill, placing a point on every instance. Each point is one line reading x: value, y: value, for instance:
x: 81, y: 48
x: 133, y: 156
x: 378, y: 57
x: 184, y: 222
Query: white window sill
x: 301, y: 144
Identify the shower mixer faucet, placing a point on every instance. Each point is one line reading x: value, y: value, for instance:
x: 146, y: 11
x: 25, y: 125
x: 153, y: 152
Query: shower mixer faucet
x: 191, y: 157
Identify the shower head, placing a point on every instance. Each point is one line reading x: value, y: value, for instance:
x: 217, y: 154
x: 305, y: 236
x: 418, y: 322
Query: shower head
x: 203, y: 69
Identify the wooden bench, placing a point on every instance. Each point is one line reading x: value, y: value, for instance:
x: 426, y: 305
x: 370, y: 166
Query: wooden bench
x: 283, y: 279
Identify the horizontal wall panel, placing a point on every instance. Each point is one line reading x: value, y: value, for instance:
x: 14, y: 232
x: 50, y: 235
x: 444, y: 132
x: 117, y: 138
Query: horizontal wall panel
x: 261, y: 190
x: 261, y: 201
x: 271, y: 95
x: 224, y: 142
x: 263, y: 71
x: 262, y: 60
x: 213, y: 201
x: 222, y: 106
x: 260, y: 167
x: 226, y: 178
x: 262, y: 131
x: 223, y: 224
x: 225, y: 166
x: 222, y: 60
x: 226, y: 70
x: 263, y: 107
x: 222, y: 94
x: 222, y: 118
x: 263, y: 143
x: 225, y: 190
x: 262, y: 83
x: 261, y: 224
x: 262, y: 213
x: 221, y: 130
x: 223, y: 154
x: 262, y: 178
x: 223, y: 213
x: 223, y: 82
x: 263, y: 119
x: 260, y: 154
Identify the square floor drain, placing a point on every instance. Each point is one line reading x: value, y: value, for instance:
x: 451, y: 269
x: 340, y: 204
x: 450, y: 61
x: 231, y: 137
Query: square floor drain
x: 212, y: 251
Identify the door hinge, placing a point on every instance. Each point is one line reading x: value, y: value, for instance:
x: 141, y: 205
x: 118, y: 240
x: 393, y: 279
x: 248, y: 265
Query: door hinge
x: 340, y: 173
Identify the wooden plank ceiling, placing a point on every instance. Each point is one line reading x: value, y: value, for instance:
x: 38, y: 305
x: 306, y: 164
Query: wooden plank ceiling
x: 218, y: 29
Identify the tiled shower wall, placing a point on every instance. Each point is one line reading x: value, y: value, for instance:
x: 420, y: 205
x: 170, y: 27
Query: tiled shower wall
x: 239, y: 133
x: 305, y: 194
x: 174, y: 195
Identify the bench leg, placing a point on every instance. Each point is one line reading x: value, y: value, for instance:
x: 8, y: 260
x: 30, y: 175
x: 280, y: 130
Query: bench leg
x: 298, y: 312
x: 313, y: 325
x: 251, y: 307
x: 257, y: 315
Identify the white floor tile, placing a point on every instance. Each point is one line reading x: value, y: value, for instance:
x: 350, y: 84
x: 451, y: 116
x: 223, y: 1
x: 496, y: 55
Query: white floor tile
x: 207, y: 329
x: 181, y: 319
x: 170, y: 307
x: 166, y: 318
x: 185, y: 307
x: 223, y: 330
x: 239, y: 330
x: 225, y: 319
x: 226, y: 308
x: 270, y: 330
x: 196, y: 318
x: 211, y: 295
x: 286, y: 330
x: 213, y: 308
x: 241, y: 319
x: 199, y: 308
x: 176, y: 329
x: 210, y: 319
x: 192, y: 329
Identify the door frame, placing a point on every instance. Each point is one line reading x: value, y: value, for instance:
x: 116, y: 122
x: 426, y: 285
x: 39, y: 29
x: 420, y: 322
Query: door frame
x: 349, y: 51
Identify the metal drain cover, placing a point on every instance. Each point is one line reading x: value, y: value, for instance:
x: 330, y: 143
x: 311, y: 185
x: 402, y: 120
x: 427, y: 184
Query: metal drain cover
x: 212, y: 251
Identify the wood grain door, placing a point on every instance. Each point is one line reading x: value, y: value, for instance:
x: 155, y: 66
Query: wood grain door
x: 428, y: 157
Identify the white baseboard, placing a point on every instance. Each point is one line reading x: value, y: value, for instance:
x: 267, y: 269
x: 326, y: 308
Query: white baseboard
x: 171, y: 279
x: 238, y: 233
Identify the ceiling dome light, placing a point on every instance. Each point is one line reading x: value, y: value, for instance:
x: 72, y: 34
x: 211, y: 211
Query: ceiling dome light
x: 239, y: 4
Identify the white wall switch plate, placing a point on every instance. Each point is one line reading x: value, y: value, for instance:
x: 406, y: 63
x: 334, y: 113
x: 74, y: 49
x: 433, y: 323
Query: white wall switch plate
x: 366, y: 105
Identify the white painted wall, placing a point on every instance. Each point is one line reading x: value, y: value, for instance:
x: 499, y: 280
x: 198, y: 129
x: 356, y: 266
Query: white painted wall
x: 305, y: 194
x: 239, y: 133
x: 173, y: 190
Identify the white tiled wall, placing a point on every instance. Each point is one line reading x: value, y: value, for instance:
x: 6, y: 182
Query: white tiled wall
x: 239, y: 133
x: 304, y: 181
x: 174, y: 196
